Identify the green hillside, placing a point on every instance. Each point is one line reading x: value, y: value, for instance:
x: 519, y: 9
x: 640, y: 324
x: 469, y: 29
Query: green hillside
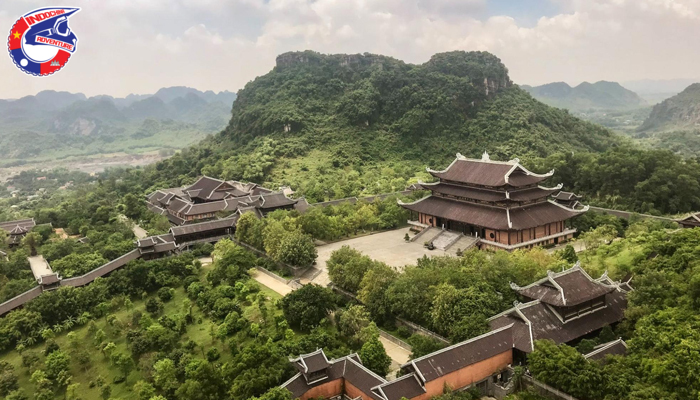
x: 341, y: 125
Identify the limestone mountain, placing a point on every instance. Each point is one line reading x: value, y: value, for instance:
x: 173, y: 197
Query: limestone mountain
x: 347, y: 124
x: 601, y: 95
x: 681, y: 111
x: 362, y: 106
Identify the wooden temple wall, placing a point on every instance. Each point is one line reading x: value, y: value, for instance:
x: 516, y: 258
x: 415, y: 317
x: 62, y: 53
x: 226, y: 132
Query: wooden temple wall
x: 325, y: 391
x: 510, y: 237
x: 468, y: 375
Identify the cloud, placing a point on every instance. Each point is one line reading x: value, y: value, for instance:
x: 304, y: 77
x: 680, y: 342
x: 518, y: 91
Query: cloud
x: 141, y: 45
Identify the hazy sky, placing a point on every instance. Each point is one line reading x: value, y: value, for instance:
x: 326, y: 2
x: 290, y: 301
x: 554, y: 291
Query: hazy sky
x: 138, y: 46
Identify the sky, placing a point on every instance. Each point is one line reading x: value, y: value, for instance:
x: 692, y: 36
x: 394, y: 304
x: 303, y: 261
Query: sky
x: 139, y: 46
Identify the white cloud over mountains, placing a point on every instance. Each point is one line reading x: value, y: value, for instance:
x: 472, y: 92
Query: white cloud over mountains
x: 141, y: 45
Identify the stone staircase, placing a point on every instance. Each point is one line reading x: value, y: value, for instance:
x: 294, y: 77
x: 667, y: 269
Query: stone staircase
x: 465, y: 243
x: 446, y: 239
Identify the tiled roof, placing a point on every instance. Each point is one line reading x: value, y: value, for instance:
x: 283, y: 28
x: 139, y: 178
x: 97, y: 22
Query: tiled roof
x: 407, y: 386
x: 485, y: 172
x: 312, y: 362
x: 460, y: 355
x: 615, y: 348
x: 544, y: 323
x: 568, y: 288
x: 204, y: 226
x: 23, y: 224
x: 525, y: 217
x: 204, y: 187
x: 349, y: 368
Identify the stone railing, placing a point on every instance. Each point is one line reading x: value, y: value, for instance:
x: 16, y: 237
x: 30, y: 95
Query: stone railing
x: 273, y: 275
x: 393, y: 339
x: 103, y: 270
x: 545, y: 390
x: 628, y: 214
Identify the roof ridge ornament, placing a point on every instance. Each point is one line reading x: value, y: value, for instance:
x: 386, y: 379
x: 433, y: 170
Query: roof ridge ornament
x: 485, y: 157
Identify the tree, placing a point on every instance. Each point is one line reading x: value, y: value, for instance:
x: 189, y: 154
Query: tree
x: 124, y: 363
x: 165, y: 375
x: 422, y: 345
x: 8, y: 379
x: 569, y: 254
x: 16, y: 395
x: 32, y: 241
x: 373, y: 291
x: 56, y: 362
x: 304, y: 308
x: 73, y: 392
x: 459, y: 313
x: 154, y: 306
x: 346, y: 268
x: 144, y: 390
x: 549, y: 360
x: 249, y: 230
x: 105, y: 392
x: 297, y: 249
x: 374, y: 357
x: 231, y: 262
x: 352, y: 321
x: 276, y: 393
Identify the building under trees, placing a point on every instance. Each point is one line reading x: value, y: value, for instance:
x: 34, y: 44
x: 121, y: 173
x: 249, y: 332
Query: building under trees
x: 208, y: 197
x: 562, y: 307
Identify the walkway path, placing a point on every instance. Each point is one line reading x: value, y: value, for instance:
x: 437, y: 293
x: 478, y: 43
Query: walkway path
x: 272, y: 283
x: 40, y: 267
x: 398, y: 354
x: 139, y: 232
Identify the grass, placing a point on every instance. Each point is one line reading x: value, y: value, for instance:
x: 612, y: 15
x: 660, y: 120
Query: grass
x: 616, y: 258
x: 199, y: 332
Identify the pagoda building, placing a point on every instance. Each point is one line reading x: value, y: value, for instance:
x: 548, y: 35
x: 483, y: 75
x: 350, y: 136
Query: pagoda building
x: 500, y: 202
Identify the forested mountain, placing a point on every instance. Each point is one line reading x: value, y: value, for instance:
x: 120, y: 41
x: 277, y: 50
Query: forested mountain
x: 681, y: 111
x: 358, y: 106
x: 333, y: 126
x: 586, y: 96
x: 339, y: 125
x: 55, y: 124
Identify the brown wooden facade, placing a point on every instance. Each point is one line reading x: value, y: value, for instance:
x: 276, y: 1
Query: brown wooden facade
x: 501, y: 203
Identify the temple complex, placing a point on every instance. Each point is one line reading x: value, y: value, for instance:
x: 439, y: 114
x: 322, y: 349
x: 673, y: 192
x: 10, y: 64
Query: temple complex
x: 208, y: 198
x: 17, y: 230
x: 500, y: 202
x: 563, y: 307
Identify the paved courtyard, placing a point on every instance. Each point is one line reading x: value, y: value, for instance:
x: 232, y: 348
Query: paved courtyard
x: 388, y: 247
x: 40, y: 267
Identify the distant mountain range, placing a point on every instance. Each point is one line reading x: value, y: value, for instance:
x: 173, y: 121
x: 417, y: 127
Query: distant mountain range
x: 59, y: 124
x: 586, y: 96
x: 657, y: 90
